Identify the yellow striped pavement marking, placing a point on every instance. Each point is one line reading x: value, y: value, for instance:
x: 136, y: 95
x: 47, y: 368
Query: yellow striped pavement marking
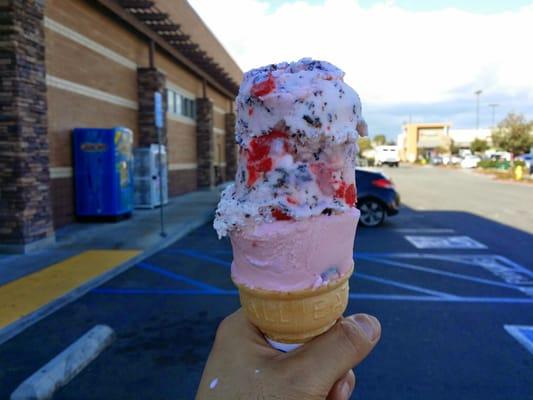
x: 26, y: 295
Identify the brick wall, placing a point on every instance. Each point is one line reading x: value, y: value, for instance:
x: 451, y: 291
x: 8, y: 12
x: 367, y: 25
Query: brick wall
x: 25, y: 210
x: 62, y: 190
x: 182, y: 181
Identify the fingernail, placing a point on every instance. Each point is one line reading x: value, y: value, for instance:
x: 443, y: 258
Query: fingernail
x: 346, y: 391
x: 369, y: 325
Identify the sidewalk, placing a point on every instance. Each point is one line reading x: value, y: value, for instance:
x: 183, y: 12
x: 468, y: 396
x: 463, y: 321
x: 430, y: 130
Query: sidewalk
x: 87, y: 254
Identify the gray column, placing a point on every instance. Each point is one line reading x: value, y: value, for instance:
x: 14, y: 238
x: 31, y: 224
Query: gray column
x: 149, y: 81
x: 204, y: 143
x: 231, y: 146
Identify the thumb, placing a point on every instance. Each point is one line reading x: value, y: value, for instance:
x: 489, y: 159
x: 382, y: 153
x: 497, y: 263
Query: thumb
x: 325, y: 359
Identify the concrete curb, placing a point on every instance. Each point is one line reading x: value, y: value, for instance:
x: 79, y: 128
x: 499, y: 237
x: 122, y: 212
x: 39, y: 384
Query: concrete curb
x: 65, y: 366
x: 25, y: 322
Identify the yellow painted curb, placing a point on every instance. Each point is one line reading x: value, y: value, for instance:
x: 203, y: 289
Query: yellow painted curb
x: 26, y: 295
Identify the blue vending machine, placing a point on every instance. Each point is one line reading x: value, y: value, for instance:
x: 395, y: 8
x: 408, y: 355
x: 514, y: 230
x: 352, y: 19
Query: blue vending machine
x: 103, y: 173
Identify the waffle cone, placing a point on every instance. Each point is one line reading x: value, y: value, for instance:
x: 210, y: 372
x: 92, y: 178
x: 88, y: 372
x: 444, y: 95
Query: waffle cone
x: 299, y: 316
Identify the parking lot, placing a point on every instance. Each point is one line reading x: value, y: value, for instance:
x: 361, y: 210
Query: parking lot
x: 453, y: 291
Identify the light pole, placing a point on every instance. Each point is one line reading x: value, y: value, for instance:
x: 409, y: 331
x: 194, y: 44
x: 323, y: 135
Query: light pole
x: 477, y: 93
x: 493, y: 106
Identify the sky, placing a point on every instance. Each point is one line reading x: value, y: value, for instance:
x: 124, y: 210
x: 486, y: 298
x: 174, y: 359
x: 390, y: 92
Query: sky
x: 409, y: 60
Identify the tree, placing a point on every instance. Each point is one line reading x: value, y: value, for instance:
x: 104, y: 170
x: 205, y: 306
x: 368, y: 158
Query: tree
x: 453, y: 148
x: 478, y: 145
x: 514, y: 134
x: 380, y: 140
x: 364, y: 144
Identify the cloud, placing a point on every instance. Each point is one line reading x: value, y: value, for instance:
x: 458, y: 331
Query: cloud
x: 398, y: 60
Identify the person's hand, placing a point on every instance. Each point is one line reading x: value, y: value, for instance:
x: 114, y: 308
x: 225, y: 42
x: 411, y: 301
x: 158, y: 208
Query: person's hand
x: 242, y: 365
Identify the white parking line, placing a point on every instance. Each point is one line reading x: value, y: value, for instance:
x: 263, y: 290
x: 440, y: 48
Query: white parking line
x: 523, y: 334
x: 515, y: 276
x: 444, y: 242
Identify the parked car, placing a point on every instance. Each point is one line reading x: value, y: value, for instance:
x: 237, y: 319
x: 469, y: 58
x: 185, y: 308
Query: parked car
x: 498, y: 155
x: 451, y: 159
x: 437, y: 160
x: 456, y: 160
x: 377, y: 197
x: 388, y: 155
x: 470, y: 161
x: 528, y: 160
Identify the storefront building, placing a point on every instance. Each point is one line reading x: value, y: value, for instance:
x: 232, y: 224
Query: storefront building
x: 80, y: 63
x: 419, y: 140
x: 423, y: 140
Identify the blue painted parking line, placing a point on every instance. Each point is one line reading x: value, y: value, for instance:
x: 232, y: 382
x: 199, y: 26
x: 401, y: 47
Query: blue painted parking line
x: 523, y: 334
x: 394, y: 297
x: 402, y: 285
x: 177, y: 277
x: 382, y: 260
x: 203, y: 289
x: 149, y: 291
x: 516, y: 266
x: 473, y: 260
x: 201, y: 256
x: 198, y: 255
x: 352, y: 296
x: 514, y: 275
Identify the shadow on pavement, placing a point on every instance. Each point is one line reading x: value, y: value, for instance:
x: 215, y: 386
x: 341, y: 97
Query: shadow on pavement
x: 433, y: 346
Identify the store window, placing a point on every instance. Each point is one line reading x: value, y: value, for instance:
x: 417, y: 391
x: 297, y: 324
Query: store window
x: 181, y: 105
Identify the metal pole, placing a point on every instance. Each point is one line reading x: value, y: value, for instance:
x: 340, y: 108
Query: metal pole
x: 477, y: 93
x: 161, y: 217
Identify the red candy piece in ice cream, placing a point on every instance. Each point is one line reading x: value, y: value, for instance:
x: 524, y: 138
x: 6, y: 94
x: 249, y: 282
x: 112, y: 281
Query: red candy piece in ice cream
x: 349, y: 195
x: 252, y: 174
x: 339, y: 193
x: 258, y: 160
x: 264, y: 165
x: 280, y: 215
x: 291, y: 200
x: 263, y: 87
x: 260, y: 146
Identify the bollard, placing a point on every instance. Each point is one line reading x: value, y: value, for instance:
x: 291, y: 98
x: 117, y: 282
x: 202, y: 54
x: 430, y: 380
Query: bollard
x: 519, y: 172
x: 65, y: 366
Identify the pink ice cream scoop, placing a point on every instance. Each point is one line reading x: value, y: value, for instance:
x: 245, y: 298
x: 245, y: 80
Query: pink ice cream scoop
x: 294, y: 255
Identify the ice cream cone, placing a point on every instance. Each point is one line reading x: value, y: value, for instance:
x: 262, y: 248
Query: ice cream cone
x: 291, y: 214
x: 297, y: 316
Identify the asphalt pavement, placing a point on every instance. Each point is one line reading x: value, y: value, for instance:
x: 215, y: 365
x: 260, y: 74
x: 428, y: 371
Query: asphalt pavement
x: 439, y: 188
x: 453, y: 290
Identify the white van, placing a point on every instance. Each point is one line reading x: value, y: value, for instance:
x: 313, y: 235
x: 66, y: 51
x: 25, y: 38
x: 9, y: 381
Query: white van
x: 387, y: 155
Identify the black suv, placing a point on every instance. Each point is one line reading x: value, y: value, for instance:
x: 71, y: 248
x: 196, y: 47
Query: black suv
x: 376, y: 197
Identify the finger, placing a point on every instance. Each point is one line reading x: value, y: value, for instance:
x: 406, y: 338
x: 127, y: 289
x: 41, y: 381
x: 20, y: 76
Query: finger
x: 236, y: 332
x: 326, y: 358
x: 343, y: 388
